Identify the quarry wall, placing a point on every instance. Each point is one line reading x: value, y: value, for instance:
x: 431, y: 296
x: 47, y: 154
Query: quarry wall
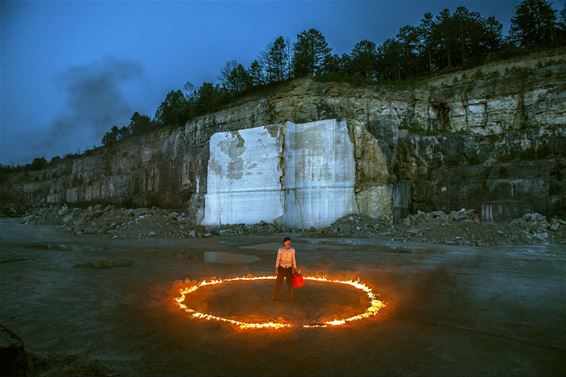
x: 491, y: 138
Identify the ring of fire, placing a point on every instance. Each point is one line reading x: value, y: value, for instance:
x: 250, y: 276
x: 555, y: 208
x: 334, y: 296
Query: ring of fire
x: 375, y: 304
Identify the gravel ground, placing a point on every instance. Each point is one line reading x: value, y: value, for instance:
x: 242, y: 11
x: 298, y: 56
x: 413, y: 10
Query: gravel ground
x: 88, y: 305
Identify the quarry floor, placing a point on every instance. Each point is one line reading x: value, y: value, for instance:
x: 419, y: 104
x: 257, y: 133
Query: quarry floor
x: 84, y: 305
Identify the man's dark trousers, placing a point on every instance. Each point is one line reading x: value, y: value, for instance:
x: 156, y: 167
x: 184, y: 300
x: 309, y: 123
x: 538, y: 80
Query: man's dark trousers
x: 286, y: 272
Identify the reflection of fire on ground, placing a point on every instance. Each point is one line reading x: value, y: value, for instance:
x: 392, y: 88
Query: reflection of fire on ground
x: 322, y: 302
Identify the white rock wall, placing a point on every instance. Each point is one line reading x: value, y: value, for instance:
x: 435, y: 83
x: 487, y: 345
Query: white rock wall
x: 319, y: 173
x: 244, y: 177
x: 307, y: 180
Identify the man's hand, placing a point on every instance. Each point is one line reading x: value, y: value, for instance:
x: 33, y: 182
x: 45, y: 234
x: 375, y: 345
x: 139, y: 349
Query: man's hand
x: 276, y: 271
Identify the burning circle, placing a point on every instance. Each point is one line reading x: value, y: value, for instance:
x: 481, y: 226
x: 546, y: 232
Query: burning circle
x: 371, y: 310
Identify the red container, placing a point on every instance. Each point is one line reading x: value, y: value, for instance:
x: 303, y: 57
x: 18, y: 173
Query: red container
x: 298, y: 280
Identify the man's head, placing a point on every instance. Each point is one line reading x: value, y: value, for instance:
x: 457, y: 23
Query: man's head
x: 287, y: 242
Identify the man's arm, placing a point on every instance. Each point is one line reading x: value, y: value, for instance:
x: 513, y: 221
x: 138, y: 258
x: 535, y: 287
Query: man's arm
x: 294, y: 262
x: 277, y: 259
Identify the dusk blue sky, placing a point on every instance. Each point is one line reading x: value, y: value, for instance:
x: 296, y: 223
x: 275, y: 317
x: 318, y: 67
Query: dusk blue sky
x: 71, y: 70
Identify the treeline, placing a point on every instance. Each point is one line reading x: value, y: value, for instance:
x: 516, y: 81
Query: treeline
x: 38, y: 163
x: 445, y: 42
x: 439, y: 43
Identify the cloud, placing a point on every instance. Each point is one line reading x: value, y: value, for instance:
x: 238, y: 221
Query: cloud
x: 95, y: 101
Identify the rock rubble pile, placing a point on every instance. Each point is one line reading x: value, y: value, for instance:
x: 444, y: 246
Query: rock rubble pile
x: 462, y: 227
x: 123, y: 223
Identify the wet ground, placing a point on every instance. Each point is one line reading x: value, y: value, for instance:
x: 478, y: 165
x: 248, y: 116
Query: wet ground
x: 89, y: 306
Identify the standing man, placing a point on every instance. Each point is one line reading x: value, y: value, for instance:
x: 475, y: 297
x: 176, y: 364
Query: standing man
x: 285, y: 266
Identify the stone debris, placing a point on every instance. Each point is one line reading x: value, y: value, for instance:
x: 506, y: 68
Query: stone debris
x: 256, y: 229
x: 122, y: 223
x: 357, y: 226
x: 462, y: 227
x: 11, y: 210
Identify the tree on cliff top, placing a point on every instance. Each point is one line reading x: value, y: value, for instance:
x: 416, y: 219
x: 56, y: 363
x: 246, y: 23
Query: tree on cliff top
x: 561, y: 35
x: 256, y: 73
x: 534, y: 24
x: 477, y: 36
x: 116, y: 134
x: 276, y: 60
x: 463, y: 38
x: 311, y: 52
x: 111, y: 136
x: 364, y: 60
x: 172, y: 111
x: 390, y: 57
x: 235, y: 78
x: 209, y: 97
x: 425, y: 32
x: 38, y: 163
x: 140, y: 123
x: 409, y: 40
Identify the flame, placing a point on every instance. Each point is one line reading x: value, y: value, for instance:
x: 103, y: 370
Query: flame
x: 375, y: 304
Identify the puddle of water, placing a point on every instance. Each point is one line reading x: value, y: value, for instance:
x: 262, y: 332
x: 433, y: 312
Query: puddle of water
x: 263, y: 246
x: 303, y: 245
x: 228, y: 258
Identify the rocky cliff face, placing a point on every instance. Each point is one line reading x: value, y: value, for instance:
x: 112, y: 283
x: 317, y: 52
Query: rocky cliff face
x: 492, y: 139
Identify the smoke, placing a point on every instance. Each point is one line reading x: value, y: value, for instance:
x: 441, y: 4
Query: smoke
x: 95, y: 101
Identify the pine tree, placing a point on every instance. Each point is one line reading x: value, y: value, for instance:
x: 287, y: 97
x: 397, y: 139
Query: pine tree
x: 562, y: 24
x: 534, y: 24
x: 390, y: 56
x: 476, y: 36
x: 256, y: 74
x: 172, y: 111
x: 426, y: 39
x: 408, y: 38
x: 364, y: 60
x: 235, y: 78
x: 276, y: 60
x: 311, y: 53
x: 140, y: 123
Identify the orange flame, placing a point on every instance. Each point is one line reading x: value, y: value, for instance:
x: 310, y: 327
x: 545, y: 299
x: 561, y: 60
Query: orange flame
x: 375, y: 304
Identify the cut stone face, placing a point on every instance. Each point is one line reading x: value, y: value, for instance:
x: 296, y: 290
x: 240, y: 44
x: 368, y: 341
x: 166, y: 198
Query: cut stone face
x: 319, y: 173
x: 307, y: 180
x: 243, y: 180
